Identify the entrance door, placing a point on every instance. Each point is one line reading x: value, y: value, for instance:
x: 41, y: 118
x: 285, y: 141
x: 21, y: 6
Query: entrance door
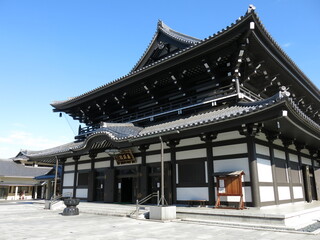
x: 99, y: 186
x: 126, y: 190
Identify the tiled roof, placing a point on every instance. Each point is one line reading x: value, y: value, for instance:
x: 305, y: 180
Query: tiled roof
x: 8, y: 168
x: 122, y: 132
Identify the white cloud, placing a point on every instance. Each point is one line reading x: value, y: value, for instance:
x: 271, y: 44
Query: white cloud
x: 11, y: 144
x: 286, y: 45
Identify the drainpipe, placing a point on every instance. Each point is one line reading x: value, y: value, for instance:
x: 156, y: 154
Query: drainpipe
x: 162, y: 173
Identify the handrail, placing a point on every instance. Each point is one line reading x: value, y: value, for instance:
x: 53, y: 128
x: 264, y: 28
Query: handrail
x: 143, y: 200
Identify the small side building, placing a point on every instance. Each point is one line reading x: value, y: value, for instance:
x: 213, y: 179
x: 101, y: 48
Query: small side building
x: 17, y: 181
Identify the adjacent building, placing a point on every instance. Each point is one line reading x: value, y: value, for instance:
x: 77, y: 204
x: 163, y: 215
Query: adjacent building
x: 232, y: 102
x: 17, y: 181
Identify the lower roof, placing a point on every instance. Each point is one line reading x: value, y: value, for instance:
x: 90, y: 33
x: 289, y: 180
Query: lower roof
x: 272, y: 112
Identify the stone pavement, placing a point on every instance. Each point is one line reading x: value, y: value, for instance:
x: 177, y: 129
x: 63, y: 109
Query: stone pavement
x: 29, y: 220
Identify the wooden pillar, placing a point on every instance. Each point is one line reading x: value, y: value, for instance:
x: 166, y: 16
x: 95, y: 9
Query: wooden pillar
x: 172, y: 144
x: 250, y: 131
x: 143, y: 188
x: 253, y: 171
x: 271, y: 136
x: 62, y: 161
x: 286, y: 143
x: 207, y: 138
x: 75, y: 177
x: 110, y: 185
x: 91, y: 178
x: 299, y: 146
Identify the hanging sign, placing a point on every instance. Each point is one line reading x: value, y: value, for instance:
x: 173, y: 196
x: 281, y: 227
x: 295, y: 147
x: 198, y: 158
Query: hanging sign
x: 125, y: 156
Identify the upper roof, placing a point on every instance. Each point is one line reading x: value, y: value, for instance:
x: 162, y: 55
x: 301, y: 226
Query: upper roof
x: 191, y: 45
x: 9, y: 168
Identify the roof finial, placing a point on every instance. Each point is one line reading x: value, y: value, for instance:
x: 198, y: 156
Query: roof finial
x: 251, y: 8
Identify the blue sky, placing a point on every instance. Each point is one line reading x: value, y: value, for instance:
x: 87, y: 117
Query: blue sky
x: 54, y: 49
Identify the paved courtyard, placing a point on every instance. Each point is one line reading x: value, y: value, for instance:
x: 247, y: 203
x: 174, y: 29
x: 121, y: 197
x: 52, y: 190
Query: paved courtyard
x: 25, y: 220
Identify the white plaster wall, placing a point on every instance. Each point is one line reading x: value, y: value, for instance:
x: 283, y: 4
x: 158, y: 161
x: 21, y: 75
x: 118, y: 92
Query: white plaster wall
x: 82, y: 192
x: 266, y: 194
x: 278, y: 142
x: 293, y: 157
x: 284, y: 193
x: 157, y: 146
x: 102, y: 155
x: 306, y: 161
x: 157, y: 158
x: 69, y: 160
x: 305, y: 151
x: 246, y: 196
x: 228, y: 136
x: 230, y: 149
x: 192, y: 193
x: 190, y: 141
x: 233, y: 165
x: 84, y: 158
x: 69, y: 168
x: 262, y: 150
x: 68, y: 179
x: 197, y: 153
x: 264, y: 170
x: 297, y: 192
x: 279, y: 154
x: 104, y: 164
x: 262, y: 137
x: 69, y: 192
x: 84, y: 166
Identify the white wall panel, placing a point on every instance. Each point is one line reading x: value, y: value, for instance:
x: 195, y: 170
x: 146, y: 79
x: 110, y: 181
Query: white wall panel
x: 68, y: 192
x: 228, y: 136
x: 284, y: 193
x: 230, y: 149
x: 104, y: 164
x: 197, y: 153
x: 157, y: 158
x: 233, y: 165
x: 190, y: 141
x: 262, y: 137
x: 293, y: 157
x: 84, y: 158
x: 192, y: 193
x: 297, y: 192
x: 266, y: 194
x: 264, y: 170
x: 69, y: 160
x: 262, y: 150
x: 306, y: 161
x: 69, y: 168
x: 156, y: 146
x: 102, y: 155
x: 82, y: 192
x: 84, y: 166
x: 279, y: 154
x: 68, y: 179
